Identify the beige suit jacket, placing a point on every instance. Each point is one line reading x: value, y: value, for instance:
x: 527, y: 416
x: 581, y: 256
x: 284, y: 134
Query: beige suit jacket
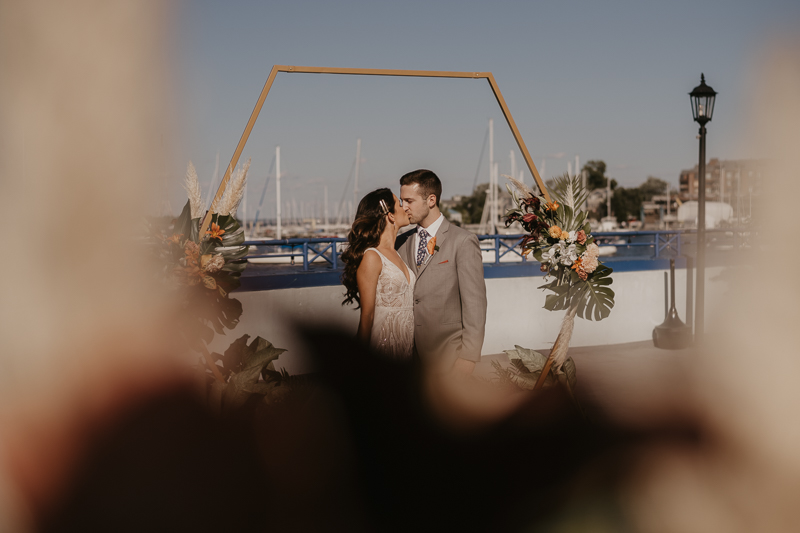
x: 449, y: 297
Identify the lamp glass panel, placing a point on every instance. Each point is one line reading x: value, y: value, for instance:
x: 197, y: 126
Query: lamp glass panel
x: 694, y: 106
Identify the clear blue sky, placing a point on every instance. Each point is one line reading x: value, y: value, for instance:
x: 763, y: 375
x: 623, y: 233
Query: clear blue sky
x: 602, y: 80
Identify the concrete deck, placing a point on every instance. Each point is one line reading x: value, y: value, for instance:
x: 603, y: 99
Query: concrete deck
x: 624, y: 378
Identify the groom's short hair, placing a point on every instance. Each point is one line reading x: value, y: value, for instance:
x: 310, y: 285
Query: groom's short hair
x: 428, y: 183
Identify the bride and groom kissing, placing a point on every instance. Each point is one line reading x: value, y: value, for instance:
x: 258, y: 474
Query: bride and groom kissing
x: 421, y: 293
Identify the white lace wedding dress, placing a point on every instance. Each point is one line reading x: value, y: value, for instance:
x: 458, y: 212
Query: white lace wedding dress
x: 393, y: 325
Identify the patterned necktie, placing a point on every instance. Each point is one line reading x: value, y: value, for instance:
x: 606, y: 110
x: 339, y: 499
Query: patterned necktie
x: 422, y: 251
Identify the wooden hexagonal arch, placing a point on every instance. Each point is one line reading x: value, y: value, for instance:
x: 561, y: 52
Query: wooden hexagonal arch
x: 372, y: 72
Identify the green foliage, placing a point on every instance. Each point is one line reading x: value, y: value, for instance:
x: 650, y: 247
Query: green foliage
x: 653, y: 186
x: 566, y: 258
x: 593, y: 297
x: 471, y: 207
x: 627, y: 201
x: 201, y: 271
x: 596, y: 175
x: 249, y: 373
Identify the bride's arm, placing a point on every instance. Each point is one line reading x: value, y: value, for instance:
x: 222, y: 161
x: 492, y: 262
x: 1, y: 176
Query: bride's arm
x: 367, y: 278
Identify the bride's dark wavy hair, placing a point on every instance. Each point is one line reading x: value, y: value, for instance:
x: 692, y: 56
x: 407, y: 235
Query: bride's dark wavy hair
x: 365, y: 233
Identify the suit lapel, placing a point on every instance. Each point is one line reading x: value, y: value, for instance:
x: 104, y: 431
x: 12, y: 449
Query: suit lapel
x: 441, y: 235
x: 410, y: 252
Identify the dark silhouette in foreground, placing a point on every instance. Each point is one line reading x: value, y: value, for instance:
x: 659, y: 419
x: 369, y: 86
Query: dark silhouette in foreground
x: 359, y: 449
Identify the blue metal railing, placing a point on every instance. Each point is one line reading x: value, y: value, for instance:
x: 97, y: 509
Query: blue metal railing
x: 328, y: 249
x: 630, y: 244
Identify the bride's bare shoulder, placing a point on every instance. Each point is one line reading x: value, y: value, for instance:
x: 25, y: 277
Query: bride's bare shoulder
x: 371, y: 260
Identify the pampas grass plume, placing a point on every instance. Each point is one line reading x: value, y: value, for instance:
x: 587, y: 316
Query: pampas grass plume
x: 521, y: 187
x: 234, y: 192
x: 192, y: 186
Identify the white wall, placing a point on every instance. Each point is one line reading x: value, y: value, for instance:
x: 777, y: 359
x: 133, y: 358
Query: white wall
x: 514, y: 315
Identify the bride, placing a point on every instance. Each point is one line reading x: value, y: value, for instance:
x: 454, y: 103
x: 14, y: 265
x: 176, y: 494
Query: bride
x: 379, y: 281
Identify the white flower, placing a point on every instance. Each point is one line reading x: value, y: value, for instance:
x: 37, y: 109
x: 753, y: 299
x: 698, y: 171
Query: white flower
x: 551, y: 255
x: 571, y: 237
x: 568, y: 253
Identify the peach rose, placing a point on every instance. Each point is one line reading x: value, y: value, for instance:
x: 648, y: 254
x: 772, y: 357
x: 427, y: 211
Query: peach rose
x: 589, y: 263
x: 580, y: 237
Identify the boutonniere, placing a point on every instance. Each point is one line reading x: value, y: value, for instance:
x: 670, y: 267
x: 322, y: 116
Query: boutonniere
x: 432, y: 248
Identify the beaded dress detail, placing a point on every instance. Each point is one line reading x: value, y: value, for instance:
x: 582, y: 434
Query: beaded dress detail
x: 393, y: 325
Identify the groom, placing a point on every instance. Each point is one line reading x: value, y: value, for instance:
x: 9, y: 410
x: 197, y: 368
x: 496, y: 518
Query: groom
x: 450, y: 294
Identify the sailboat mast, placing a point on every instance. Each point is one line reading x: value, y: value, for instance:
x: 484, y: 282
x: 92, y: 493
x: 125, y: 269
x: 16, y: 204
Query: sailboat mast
x: 278, y: 187
x: 492, y: 193
x: 325, y: 209
x: 358, y: 164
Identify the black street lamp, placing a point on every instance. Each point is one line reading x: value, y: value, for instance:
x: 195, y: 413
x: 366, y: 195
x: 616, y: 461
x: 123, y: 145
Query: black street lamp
x: 702, y: 98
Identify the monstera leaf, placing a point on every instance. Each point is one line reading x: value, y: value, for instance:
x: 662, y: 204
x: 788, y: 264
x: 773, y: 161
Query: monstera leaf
x: 593, y: 298
x: 242, y: 366
x: 532, y: 360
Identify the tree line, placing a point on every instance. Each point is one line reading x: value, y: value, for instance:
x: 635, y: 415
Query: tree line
x: 626, y: 202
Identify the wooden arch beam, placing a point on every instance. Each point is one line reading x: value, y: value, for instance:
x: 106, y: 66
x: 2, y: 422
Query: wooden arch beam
x: 371, y: 72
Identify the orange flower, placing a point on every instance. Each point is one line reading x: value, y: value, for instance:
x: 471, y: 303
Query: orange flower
x: 175, y: 239
x: 551, y: 206
x: 432, y: 246
x: 577, y: 266
x: 555, y: 232
x: 215, y: 232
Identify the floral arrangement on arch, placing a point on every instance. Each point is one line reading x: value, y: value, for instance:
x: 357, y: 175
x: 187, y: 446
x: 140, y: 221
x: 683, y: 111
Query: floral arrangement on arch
x: 203, y: 269
x: 560, y: 238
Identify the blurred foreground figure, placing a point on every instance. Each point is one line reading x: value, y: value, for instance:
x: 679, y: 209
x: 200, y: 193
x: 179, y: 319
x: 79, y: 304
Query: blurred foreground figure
x: 82, y: 120
x: 361, y: 446
x: 744, y: 380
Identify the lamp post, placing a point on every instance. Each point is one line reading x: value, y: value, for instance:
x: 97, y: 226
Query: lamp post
x: 702, y: 98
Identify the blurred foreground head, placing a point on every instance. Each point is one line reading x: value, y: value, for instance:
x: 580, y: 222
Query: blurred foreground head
x: 82, y: 127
